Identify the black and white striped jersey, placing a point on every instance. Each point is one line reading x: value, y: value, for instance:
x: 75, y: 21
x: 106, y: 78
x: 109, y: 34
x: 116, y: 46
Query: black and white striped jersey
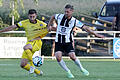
x: 65, y: 28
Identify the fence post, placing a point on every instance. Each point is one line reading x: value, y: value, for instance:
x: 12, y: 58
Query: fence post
x: 114, y: 34
x: 93, y: 22
x: 40, y: 52
x: 105, y: 24
x: 109, y: 47
x: 88, y: 44
x: 13, y: 6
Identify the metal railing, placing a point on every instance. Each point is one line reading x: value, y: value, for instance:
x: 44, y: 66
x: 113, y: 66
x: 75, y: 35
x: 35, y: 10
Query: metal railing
x: 113, y: 33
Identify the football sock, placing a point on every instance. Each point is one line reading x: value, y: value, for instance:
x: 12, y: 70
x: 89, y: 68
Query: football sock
x: 77, y: 62
x: 29, y: 55
x: 37, y: 71
x: 63, y: 65
x: 27, y: 67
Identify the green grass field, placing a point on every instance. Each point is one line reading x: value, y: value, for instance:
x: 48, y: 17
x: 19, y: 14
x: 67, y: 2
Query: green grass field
x: 100, y: 69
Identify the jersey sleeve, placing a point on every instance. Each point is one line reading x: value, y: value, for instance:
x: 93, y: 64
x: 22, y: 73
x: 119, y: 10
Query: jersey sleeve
x: 44, y: 31
x: 20, y: 24
x: 44, y: 24
x: 56, y: 16
x: 79, y: 24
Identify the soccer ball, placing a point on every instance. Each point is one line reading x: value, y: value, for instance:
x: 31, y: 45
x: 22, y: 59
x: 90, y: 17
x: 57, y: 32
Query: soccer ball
x: 37, y: 61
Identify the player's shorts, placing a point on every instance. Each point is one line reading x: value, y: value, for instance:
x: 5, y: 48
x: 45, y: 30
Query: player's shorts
x: 64, y: 47
x: 36, y: 46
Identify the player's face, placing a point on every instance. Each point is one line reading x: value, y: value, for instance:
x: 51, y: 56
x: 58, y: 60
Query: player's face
x: 32, y: 17
x: 68, y: 12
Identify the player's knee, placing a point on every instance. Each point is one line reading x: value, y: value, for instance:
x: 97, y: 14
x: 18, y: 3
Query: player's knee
x: 27, y: 47
x: 58, y: 56
x: 22, y: 65
x: 72, y: 56
x: 58, y: 59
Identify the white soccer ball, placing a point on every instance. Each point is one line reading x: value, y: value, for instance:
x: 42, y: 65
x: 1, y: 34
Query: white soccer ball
x: 37, y: 61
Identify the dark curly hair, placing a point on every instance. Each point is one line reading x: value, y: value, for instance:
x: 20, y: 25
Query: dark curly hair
x: 69, y: 6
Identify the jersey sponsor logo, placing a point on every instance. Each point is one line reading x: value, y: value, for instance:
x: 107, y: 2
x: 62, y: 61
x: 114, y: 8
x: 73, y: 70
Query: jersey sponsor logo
x: 59, y: 18
x: 41, y: 24
x: 39, y: 29
x: 70, y: 22
x: 63, y: 29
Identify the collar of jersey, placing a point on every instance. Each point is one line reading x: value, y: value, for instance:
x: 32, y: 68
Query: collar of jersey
x: 33, y: 23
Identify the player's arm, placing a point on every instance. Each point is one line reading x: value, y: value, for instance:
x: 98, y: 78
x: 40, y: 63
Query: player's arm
x: 81, y: 25
x: 51, y: 22
x: 92, y: 32
x: 54, y: 26
x: 51, y: 28
x: 10, y: 28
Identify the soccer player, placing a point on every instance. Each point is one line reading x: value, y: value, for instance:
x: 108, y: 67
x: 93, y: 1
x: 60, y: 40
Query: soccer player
x: 35, y: 30
x: 63, y: 42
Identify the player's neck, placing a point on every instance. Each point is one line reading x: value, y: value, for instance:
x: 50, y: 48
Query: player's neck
x: 69, y: 17
x: 34, y: 21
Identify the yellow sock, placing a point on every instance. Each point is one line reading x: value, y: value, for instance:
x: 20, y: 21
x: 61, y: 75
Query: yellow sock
x: 37, y: 71
x: 27, y: 67
x: 29, y: 55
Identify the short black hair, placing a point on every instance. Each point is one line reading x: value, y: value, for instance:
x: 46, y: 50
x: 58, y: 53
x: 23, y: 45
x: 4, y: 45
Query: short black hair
x: 32, y: 11
x: 69, y: 6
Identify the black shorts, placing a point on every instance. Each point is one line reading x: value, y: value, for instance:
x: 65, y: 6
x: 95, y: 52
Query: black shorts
x: 52, y: 34
x: 64, y: 47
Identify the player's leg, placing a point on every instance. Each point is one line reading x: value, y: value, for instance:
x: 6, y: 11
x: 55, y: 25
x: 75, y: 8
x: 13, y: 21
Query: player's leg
x: 60, y: 61
x: 77, y: 62
x: 58, y: 54
x: 24, y: 64
x: 36, y: 47
x: 53, y: 45
x: 71, y: 52
x: 53, y: 48
x: 24, y: 61
x: 28, y: 51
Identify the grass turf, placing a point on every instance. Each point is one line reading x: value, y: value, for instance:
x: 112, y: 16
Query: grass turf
x: 100, y: 69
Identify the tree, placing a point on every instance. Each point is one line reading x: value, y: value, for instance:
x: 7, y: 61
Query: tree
x: 14, y: 8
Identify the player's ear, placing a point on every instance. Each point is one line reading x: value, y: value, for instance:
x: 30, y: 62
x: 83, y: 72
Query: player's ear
x: 72, y: 10
x: 36, y: 15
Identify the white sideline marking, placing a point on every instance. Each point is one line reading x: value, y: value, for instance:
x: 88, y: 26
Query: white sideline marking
x: 84, y: 57
x: 6, y: 64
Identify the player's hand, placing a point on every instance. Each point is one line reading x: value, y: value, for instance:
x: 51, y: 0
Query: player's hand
x: 49, y: 28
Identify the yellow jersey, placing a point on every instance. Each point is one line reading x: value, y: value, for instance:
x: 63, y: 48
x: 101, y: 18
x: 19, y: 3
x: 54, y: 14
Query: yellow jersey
x: 33, y: 30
